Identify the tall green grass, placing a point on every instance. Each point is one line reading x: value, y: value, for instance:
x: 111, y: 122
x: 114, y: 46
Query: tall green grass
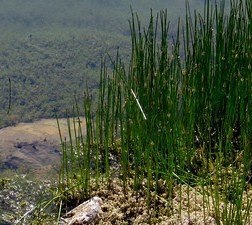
x: 180, y: 112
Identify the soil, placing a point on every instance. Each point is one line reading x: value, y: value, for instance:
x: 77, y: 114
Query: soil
x: 32, y: 147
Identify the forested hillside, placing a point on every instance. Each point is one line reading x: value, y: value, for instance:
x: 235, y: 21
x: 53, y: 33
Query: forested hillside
x: 47, y: 70
x: 51, y: 50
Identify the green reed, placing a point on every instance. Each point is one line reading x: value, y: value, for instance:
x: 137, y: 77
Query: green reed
x: 180, y: 111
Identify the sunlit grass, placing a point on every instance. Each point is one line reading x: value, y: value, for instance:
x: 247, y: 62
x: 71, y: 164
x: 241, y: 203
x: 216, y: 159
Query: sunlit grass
x: 183, y: 118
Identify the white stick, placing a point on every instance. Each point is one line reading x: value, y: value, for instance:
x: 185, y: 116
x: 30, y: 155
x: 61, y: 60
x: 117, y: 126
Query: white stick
x: 145, y: 118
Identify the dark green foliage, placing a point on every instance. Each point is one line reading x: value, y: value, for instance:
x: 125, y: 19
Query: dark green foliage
x: 45, y: 69
x: 51, y: 49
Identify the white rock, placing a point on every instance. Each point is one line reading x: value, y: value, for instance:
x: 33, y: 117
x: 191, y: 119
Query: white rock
x: 84, y: 213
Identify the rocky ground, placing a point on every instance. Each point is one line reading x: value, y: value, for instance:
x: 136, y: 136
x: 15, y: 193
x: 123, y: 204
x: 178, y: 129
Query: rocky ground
x: 187, y: 206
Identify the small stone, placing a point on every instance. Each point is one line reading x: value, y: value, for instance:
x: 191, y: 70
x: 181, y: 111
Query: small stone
x: 85, y: 213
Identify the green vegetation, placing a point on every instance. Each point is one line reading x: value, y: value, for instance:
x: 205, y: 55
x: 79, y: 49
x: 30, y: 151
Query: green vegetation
x: 178, y: 114
x: 44, y: 69
x: 181, y: 120
x: 50, y: 48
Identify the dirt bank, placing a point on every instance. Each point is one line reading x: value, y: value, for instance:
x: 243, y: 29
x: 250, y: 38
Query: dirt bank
x: 33, y: 147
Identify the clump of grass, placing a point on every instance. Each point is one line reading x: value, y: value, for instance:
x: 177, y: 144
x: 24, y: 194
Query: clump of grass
x: 180, y: 112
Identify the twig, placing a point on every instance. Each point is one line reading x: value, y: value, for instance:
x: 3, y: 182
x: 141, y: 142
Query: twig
x: 144, y: 116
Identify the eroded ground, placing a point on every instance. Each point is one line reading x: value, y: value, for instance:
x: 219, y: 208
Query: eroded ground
x: 32, y: 147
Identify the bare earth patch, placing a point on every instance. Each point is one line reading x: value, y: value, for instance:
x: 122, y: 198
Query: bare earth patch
x: 33, y: 147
